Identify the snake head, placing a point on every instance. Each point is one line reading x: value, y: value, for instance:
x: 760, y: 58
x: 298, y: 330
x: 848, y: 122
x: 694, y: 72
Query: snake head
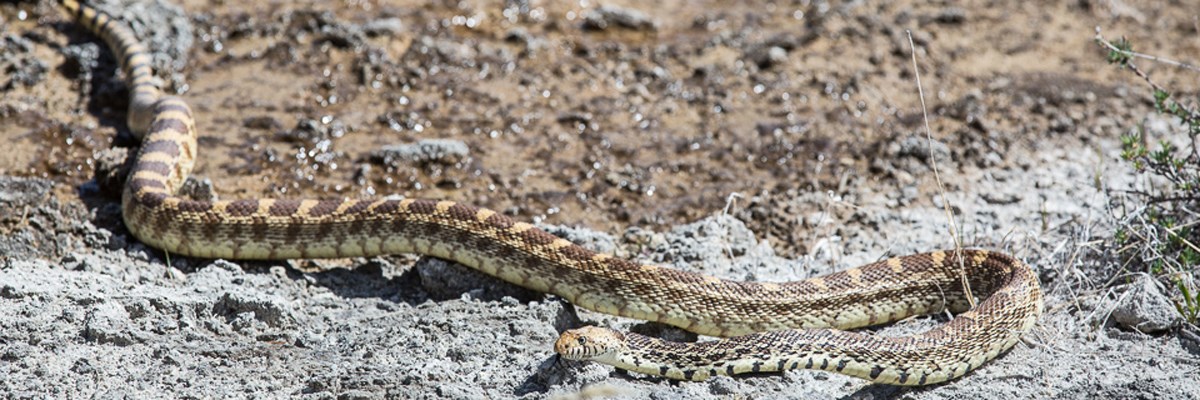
x: 590, y: 343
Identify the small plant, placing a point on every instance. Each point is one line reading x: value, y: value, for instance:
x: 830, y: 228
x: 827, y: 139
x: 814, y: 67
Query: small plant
x: 1190, y: 307
x: 1121, y: 52
x: 1158, y: 230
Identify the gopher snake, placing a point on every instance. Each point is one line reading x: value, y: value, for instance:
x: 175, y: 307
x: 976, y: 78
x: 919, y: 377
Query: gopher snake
x: 801, y: 320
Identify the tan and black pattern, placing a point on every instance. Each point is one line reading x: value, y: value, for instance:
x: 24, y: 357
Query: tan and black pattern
x: 890, y: 290
x: 802, y: 319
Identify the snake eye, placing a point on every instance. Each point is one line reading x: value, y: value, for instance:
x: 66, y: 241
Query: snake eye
x: 582, y: 340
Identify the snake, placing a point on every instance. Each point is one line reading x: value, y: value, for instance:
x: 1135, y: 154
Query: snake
x: 994, y: 297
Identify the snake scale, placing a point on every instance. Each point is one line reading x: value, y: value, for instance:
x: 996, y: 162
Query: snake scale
x: 770, y: 326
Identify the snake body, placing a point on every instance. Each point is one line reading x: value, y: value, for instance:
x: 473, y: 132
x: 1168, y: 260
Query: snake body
x: 802, y: 322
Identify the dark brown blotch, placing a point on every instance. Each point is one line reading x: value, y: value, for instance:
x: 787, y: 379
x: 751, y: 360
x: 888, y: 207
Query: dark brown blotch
x: 500, y: 221
x: 176, y: 106
x: 537, y: 236
x: 157, y: 167
x: 284, y: 208
x: 152, y: 200
x: 461, y: 212
x: 358, y: 207
x: 138, y: 184
x: 388, y: 207
x: 168, y: 147
x: 423, y: 207
x: 242, y: 208
x: 621, y: 264
x: 324, y: 207
x: 192, y: 206
x: 576, y: 252
x: 162, y: 124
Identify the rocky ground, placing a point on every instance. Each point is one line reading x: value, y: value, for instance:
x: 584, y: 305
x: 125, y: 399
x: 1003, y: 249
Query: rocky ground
x: 766, y: 141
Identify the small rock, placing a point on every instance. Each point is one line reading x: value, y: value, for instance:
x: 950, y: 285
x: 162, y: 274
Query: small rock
x: 273, y: 312
x: 451, y: 51
x: 918, y: 147
x: 574, y: 117
x: 608, y: 16
x: 517, y: 35
x: 83, y: 367
x: 908, y: 194
x: 266, y: 123
x: 425, y: 151
x: 23, y: 191
x: 198, y: 189
x: 307, y: 131
x: 790, y: 41
x: 384, y: 27
x: 108, y: 322
x: 951, y: 16
x: 1145, y: 309
x: 1001, y: 198
x: 766, y: 57
x: 1062, y: 124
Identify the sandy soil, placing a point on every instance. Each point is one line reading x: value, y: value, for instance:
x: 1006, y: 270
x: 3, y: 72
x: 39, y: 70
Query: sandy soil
x: 627, y: 126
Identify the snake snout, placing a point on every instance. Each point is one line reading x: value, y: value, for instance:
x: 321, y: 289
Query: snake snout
x: 587, y: 343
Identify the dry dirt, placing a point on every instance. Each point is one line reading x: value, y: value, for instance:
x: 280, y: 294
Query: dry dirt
x: 633, y: 118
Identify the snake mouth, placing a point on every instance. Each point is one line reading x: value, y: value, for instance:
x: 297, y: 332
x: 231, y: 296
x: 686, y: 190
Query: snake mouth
x: 573, y: 346
x: 588, y: 343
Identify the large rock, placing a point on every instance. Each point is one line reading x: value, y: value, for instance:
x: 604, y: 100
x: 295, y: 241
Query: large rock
x: 1144, y: 308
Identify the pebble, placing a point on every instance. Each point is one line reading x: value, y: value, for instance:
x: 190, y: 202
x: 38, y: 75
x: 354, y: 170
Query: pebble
x: 609, y: 16
x: 436, y: 151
